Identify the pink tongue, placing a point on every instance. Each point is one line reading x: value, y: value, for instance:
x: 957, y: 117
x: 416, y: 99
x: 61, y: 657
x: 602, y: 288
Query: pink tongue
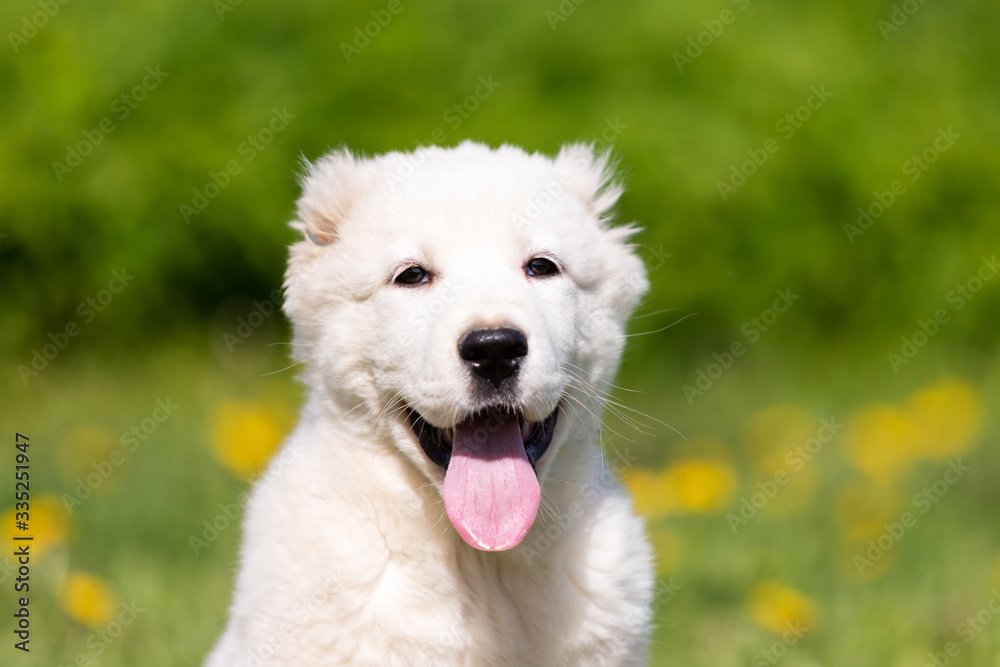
x: 490, y: 490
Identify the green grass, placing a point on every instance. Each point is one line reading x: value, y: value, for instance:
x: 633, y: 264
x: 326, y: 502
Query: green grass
x: 135, y: 530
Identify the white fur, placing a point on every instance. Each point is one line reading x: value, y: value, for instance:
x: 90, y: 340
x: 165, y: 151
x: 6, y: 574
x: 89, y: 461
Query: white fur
x: 348, y: 556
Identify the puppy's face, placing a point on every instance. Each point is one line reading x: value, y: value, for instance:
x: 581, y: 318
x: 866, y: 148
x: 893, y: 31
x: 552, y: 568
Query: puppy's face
x: 470, y: 304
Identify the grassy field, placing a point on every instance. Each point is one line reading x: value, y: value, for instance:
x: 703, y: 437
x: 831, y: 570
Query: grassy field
x: 817, y: 184
x: 734, y: 583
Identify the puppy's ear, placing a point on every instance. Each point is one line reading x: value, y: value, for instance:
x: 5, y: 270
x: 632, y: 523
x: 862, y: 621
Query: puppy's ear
x: 329, y: 188
x: 590, y: 176
x: 593, y: 178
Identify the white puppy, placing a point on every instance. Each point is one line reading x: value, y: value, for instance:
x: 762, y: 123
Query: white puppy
x: 444, y: 500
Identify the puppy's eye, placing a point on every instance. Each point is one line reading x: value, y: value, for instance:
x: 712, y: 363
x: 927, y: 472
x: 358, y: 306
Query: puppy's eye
x: 413, y: 275
x: 541, y: 266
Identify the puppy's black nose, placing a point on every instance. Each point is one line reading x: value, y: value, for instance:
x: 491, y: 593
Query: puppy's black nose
x: 494, y: 354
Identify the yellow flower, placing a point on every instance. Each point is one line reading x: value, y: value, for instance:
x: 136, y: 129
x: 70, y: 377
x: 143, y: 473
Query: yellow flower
x: 246, y: 434
x: 778, y: 608
x: 88, y: 599
x: 883, y: 441
x: 949, y: 417
x: 48, y: 524
x: 700, y: 485
x: 692, y: 485
x: 943, y: 419
x: 650, y: 495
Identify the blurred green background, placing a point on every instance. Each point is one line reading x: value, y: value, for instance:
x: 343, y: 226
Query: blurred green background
x: 750, y: 135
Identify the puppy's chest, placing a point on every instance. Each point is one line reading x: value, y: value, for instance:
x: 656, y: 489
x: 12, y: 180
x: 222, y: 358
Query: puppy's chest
x: 477, y: 612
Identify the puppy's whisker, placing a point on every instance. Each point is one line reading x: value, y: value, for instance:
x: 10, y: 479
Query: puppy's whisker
x: 584, y: 385
x: 603, y: 423
x: 615, y: 407
x: 359, y: 405
x: 282, y: 370
x: 394, y: 403
x: 646, y: 333
x: 655, y: 312
x: 583, y: 371
x: 547, y: 506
